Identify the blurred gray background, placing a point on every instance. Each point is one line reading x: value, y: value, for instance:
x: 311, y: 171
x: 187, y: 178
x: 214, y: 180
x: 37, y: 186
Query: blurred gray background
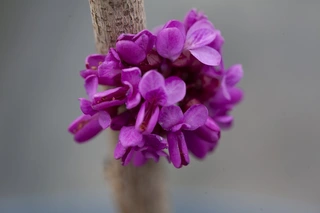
x: 270, y: 158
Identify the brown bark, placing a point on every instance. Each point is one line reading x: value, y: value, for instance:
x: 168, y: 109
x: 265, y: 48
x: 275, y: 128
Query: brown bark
x: 135, y: 189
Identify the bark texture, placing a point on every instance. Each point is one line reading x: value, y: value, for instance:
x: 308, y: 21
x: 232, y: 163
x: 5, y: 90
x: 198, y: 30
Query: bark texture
x: 135, y: 189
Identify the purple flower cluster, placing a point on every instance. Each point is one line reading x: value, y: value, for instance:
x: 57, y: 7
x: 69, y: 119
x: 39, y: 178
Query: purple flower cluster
x: 168, y: 89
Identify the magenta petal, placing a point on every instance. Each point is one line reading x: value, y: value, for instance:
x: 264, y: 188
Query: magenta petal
x: 207, y: 55
x: 84, y: 128
x: 176, y: 24
x: 130, y: 52
x: 157, y: 96
x: 91, y: 85
x: 109, y: 73
x: 150, y: 81
x: 147, y: 117
x: 104, y: 119
x: 120, y: 120
x: 224, y: 89
x: 217, y: 42
x: 133, y: 98
x: 86, y: 107
x: 170, y: 42
x: 119, y: 151
x: 126, y: 159
x: 224, y: 121
x: 200, y: 25
x: 192, y: 17
x: 200, y: 34
x: 178, y: 150
x: 129, y: 137
x: 199, y: 147
x: 145, y: 39
x: 131, y: 77
x: 138, y: 159
x: 155, y: 141
x: 109, y: 98
x: 170, y: 116
x: 85, y: 73
x: 234, y: 75
x: 209, y: 132
x: 219, y: 99
x: 94, y: 60
x: 195, y: 117
x: 175, y: 89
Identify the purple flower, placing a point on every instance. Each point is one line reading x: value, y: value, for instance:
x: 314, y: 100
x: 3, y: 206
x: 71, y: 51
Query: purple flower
x: 192, y: 17
x: 170, y: 40
x: 127, y: 93
x: 92, y: 62
x: 198, y: 38
x: 231, y: 77
x: 150, y: 76
x: 109, y: 71
x: 86, y: 127
x: 220, y: 106
x: 157, y: 91
x: 174, y: 121
x: 134, y: 146
x: 204, y: 139
x: 218, y: 42
x: 133, y: 49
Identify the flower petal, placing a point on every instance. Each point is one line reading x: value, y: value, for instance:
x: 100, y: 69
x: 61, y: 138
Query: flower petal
x: 219, y: 99
x: 170, y: 116
x: 157, y: 96
x: 138, y: 159
x: 119, y: 151
x: 234, y: 75
x: 178, y: 150
x: 109, y: 73
x: 170, y: 42
x: 131, y: 75
x: 195, y: 117
x: 109, y: 98
x: 91, y: 85
x: 94, y: 60
x: 150, y: 81
x: 197, y: 146
x: 130, y: 52
x: 176, y: 24
x: 192, y: 17
x: 224, y: 121
x: 86, y: 107
x: 200, y: 25
x: 84, y: 128
x: 104, y: 119
x: 175, y: 89
x: 217, y: 42
x: 200, y: 38
x: 209, y: 132
x: 129, y: 137
x: 207, y: 55
x: 145, y: 39
x: 154, y: 141
x: 147, y: 118
x: 120, y: 120
x: 85, y: 73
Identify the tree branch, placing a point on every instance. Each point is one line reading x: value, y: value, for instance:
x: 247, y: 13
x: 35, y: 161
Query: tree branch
x: 135, y: 189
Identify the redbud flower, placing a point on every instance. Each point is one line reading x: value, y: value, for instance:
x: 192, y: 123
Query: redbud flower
x: 168, y: 93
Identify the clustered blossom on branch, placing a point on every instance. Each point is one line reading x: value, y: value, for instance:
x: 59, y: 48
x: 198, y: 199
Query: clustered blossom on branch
x: 168, y: 90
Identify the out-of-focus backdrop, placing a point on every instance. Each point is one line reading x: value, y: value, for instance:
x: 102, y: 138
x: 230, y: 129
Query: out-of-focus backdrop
x: 268, y: 162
